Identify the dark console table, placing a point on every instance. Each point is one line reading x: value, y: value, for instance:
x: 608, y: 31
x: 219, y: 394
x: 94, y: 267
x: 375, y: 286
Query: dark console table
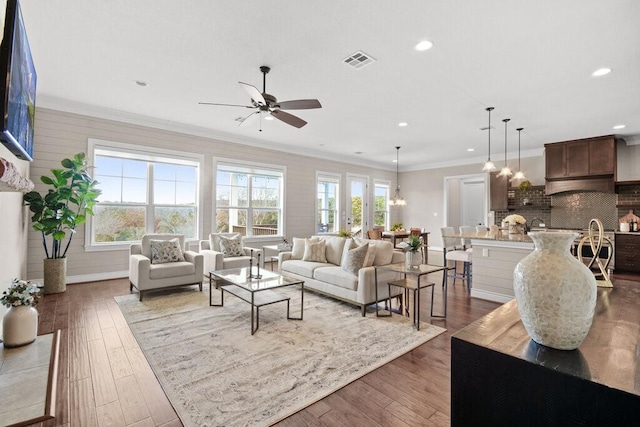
x: 500, y: 377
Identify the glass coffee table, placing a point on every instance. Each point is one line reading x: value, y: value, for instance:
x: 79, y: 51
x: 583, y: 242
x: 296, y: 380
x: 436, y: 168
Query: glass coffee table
x: 415, y: 286
x: 257, y: 292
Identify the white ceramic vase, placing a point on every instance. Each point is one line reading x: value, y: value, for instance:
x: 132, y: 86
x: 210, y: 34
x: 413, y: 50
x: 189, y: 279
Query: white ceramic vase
x: 19, y: 326
x: 556, y: 293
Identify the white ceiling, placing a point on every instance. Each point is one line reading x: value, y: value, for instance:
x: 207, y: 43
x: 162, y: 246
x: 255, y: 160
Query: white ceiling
x: 532, y: 61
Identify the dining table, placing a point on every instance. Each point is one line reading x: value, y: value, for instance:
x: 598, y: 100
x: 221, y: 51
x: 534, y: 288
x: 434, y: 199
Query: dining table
x: 400, y: 235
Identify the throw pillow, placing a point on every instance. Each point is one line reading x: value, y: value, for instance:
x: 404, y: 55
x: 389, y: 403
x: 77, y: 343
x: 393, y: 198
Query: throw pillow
x: 348, y: 245
x: 371, y: 254
x: 297, y: 252
x: 355, y: 259
x: 314, y: 251
x: 163, y: 251
x: 231, y: 246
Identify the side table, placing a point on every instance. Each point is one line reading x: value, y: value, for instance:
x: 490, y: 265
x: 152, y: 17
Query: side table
x: 409, y: 285
x: 273, y: 248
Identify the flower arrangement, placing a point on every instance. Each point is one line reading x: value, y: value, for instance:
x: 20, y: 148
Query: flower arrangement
x: 21, y: 292
x: 515, y: 219
x: 397, y: 226
x: 411, y: 245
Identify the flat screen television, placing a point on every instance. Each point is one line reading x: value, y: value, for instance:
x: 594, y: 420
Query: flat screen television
x: 18, y: 96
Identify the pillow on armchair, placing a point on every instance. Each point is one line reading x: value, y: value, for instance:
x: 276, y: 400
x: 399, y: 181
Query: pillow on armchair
x: 163, y: 251
x: 231, y: 246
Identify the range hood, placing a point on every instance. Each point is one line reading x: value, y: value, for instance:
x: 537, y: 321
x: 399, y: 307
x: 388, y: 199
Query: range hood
x: 581, y: 165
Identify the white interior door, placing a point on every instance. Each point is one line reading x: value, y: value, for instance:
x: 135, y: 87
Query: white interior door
x: 357, y: 206
x: 473, y: 200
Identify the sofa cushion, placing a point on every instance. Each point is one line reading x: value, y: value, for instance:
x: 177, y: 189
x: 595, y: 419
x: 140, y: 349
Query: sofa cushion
x: 164, y: 251
x: 355, y: 259
x: 172, y: 269
x: 333, y: 249
x: 301, y: 268
x: 231, y: 246
x: 297, y: 251
x: 336, y: 276
x: 314, y: 251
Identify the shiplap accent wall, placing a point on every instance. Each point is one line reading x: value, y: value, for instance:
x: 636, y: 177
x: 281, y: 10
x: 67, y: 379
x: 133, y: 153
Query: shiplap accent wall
x: 61, y: 134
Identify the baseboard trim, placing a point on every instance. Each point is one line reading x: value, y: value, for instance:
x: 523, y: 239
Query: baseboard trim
x: 490, y: 296
x: 94, y: 277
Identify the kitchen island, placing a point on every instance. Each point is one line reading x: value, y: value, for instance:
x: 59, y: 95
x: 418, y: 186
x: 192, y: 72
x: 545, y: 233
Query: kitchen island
x: 495, y: 256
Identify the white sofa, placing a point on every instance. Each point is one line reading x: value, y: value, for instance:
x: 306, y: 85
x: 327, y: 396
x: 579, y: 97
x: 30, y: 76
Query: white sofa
x: 331, y: 279
x: 214, y: 259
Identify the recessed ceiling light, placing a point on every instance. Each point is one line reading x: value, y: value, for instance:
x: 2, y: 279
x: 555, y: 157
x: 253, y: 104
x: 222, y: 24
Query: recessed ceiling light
x: 403, y: 124
x: 268, y: 117
x: 619, y: 127
x: 395, y: 160
x: 601, y: 72
x: 141, y: 83
x: 358, y: 152
x: 424, y: 45
x: 471, y: 149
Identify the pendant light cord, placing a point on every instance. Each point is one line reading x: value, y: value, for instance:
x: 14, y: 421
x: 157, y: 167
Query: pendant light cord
x: 519, y: 130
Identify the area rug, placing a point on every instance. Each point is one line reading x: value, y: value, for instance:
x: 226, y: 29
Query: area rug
x: 215, y: 372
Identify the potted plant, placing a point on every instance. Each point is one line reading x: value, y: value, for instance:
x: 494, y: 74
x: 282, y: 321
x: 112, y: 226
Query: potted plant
x: 345, y: 233
x: 20, y: 322
x: 57, y: 213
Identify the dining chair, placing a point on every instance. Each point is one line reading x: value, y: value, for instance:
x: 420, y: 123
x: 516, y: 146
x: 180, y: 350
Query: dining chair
x: 452, y: 252
x: 374, y: 234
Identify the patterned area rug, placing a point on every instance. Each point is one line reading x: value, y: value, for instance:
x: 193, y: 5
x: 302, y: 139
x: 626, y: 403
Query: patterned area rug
x: 216, y: 373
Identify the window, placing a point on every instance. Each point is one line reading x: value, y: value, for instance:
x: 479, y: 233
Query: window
x: 327, y: 203
x: 142, y: 193
x: 381, y: 208
x: 249, y: 200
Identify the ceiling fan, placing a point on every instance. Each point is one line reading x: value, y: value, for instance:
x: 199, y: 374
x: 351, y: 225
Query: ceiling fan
x: 268, y: 104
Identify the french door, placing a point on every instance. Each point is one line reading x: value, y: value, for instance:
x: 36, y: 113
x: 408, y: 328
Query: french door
x: 357, y: 203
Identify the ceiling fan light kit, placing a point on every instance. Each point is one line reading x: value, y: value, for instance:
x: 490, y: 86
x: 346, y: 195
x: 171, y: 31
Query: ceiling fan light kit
x: 268, y: 104
x: 397, y: 199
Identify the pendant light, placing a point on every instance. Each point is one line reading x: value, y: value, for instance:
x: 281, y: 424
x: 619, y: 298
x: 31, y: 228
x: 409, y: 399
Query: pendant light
x: 519, y: 176
x: 505, y: 171
x: 488, y: 165
x: 397, y: 199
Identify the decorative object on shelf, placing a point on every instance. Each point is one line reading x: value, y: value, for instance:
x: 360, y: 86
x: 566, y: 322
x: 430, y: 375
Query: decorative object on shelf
x: 556, y: 293
x: 20, y: 322
x: 413, y: 256
x: 488, y: 165
x: 519, y: 176
x: 515, y: 222
x: 596, y: 239
x: 397, y: 199
x: 61, y: 210
x: 11, y: 179
x: 505, y: 171
x: 629, y: 222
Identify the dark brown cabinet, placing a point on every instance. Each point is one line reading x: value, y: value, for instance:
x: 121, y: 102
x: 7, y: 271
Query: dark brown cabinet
x: 627, y: 253
x: 584, y: 164
x: 498, y: 187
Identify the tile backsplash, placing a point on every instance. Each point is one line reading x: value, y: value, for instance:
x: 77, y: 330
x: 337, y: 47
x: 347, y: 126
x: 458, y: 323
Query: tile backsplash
x: 575, y: 210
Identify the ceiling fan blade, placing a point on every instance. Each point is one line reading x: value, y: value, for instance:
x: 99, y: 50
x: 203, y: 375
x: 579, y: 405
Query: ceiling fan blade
x: 289, y: 119
x: 254, y: 93
x: 249, y: 119
x: 299, y: 104
x: 226, y: 105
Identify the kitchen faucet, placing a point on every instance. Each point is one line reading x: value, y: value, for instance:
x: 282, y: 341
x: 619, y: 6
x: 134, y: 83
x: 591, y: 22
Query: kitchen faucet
x: 540, y: 224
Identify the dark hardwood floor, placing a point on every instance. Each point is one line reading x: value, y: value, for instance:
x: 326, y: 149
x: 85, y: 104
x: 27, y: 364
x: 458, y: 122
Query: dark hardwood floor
x: 105, y: 380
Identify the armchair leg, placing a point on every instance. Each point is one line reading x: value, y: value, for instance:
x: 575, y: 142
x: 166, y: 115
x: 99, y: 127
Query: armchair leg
x: 200, y: 284
x: 363, y: 308
x: 130, y: 286
x: 140, y: 293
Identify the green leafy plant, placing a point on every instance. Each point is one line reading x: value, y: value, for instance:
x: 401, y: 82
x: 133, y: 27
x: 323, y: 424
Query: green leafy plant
x: 21, y: 292
x: 524, y: 185
x: 413, y: 243
x: 345, y: 233
x: 65, y: 206
x: 397, y: 226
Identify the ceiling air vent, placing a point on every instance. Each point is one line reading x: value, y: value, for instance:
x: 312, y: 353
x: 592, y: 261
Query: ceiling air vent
x: 358, y: 60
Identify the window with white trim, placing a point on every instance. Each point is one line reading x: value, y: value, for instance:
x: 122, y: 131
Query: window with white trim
x: 249, y: 199
x: 143, y: 192
x: 381, y: 204
x: 327, y: 196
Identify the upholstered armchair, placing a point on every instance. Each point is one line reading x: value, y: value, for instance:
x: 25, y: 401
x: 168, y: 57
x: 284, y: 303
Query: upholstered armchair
x: 160, y: 261
x: 215, y: 257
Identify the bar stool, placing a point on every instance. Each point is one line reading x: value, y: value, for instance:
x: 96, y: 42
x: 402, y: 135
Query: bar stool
x: 451, y: 252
